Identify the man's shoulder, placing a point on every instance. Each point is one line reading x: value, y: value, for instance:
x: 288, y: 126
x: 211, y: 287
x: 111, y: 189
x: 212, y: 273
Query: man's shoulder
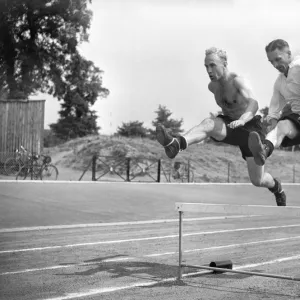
x: 296, y: 62
x: 278, y: 80
x: 212, y: 86
x: 295, y: 67
x: 240, y: 81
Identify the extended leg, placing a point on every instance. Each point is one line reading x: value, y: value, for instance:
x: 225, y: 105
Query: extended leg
x: 215, y: 128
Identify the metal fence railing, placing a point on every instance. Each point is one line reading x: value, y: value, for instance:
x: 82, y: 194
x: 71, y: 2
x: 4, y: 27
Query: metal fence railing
x: 129, y: 169
x: 108, y: 168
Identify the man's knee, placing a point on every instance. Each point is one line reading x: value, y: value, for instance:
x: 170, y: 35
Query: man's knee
x: 283, y: 125
x: 256, y: 181
x: 287, y: 128
x: 208, y: 125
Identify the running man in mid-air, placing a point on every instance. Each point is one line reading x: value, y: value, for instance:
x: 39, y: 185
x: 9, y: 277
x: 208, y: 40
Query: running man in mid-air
x: 284, y: 110
x: 233, y: 94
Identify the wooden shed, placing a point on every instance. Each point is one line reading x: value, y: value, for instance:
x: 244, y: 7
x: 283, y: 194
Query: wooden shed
x: 21, y: 123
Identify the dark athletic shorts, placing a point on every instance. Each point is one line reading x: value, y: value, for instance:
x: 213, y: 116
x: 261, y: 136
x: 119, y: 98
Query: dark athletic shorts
x: 295, y: 119
x: 239, y: 136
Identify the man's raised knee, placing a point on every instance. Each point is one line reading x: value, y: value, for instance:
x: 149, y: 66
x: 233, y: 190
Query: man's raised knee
x: 283, y: 125
x: 287, y: 128
x: 208, y: 125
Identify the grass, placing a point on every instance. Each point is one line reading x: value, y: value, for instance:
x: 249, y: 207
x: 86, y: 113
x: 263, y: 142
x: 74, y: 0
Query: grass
x: 210, y: 162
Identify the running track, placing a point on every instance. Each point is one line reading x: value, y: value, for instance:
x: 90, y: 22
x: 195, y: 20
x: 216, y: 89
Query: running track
x: 119, y: 241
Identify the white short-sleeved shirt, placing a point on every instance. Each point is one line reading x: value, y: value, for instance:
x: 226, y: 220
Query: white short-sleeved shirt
x: 286, y: 91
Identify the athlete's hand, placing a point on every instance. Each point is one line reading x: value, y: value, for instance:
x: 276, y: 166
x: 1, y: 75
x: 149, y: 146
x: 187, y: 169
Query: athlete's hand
x: 235, y: 124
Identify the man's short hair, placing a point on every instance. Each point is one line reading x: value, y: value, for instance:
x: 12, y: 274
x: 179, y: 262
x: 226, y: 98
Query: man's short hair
x: 221, y: 53
x: 277, y: 44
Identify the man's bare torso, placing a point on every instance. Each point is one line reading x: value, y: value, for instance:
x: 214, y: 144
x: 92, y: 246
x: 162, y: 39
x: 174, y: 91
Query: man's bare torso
x: 229, y: 98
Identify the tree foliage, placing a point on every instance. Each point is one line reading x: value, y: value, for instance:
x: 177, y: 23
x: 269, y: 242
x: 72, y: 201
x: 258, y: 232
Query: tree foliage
x: 132, y: 128
x: 264, y: 112
x: 164, y: 117
x: 39, y: 42
x: 71, y: 127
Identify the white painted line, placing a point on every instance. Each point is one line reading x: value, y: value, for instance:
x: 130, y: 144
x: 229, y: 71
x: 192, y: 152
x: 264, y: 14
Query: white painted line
x: 244, y: 244
x: 99, y: 291
x: 146, y: 238
x: 59, y: 227
x: 132, y: 182
x: 278, y: 260
x: 120, y: 259
x: 92, y: 292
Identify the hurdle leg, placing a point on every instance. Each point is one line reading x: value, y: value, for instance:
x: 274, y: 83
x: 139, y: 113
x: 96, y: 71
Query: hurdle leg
x: 180, y: 246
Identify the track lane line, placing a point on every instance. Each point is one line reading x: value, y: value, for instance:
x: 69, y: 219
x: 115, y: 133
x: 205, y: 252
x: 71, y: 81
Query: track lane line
x: 58, y: 227
x: 145, y: 239
x: 149, y: 255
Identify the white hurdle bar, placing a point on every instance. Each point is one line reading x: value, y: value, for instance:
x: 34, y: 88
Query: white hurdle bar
x: 181, y: 207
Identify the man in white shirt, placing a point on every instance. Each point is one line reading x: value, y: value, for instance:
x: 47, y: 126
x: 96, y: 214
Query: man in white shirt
x: 284, y: 110
x: 235, y: 97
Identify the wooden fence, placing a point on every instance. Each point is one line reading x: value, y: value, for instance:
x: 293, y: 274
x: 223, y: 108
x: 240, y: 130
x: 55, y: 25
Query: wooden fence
x: 21, y: 123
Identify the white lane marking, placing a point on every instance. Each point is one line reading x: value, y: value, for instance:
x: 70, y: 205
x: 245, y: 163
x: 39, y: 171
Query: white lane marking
x: 151, y: 283
x: 56, y: 227
x: 278, y: 260
x: 133, y: 182
x: 148, y: 255
x: 145, y: 239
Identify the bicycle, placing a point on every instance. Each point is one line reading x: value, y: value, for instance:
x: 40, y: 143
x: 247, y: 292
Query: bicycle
x: 48, y: 170
x: 181, y: 173
x: 13, y: 165
x: 37, y: 171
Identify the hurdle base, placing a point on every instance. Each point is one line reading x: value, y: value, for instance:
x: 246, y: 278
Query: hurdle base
x: 224, y: 270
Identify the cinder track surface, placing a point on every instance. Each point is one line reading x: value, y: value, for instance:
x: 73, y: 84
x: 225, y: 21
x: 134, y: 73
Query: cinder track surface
x: 65, y: 241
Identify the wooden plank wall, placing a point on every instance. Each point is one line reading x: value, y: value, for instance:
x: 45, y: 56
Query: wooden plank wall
x: 21, y: 123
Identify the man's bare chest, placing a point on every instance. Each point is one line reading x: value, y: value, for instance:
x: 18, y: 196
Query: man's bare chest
x: 228, y: 98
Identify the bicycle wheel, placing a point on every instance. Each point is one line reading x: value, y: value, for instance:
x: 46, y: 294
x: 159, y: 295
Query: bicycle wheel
x: 30, y: 173
x: 12, y: 166
x: 22, y: 174
x: 49, y: 172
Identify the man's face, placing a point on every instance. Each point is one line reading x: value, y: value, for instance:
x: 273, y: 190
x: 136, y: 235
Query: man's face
x: 280, y: 59
x: 214, y: 66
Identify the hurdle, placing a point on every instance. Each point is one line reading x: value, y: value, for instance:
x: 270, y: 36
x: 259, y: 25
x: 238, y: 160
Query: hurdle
x: 226, y: 266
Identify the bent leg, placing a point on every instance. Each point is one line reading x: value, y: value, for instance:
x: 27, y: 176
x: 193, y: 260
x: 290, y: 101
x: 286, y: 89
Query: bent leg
x: 258, y: 176
x: 262, y: 149
x: 210, y: 127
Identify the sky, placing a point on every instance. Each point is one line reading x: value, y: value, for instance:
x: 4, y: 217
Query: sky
x: 152, y: 53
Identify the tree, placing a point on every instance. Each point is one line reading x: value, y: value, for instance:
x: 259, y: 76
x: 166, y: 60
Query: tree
x: 264, y: 111
x: 163, y: 117
x: 132, y: 128
x: 39, y: 42
x: 70, y: 127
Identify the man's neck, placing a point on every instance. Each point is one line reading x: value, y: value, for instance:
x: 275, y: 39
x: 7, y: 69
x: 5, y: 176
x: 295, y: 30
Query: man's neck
x: 224, y: 79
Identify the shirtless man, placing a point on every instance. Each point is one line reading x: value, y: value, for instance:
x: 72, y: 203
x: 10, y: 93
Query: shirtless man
x: 284, y: 126
x: 233, y: 94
